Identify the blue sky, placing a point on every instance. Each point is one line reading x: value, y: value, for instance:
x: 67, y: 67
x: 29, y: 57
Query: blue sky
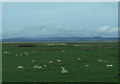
x: 59, y: 19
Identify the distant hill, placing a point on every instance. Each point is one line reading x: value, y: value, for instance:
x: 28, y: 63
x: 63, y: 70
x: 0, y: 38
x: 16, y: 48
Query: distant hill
x: 60, y: 39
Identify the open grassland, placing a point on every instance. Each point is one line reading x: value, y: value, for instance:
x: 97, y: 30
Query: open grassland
x: 95, y: 56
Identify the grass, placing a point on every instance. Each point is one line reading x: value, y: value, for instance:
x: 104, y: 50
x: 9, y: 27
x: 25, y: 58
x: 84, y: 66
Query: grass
x: 89, y: 52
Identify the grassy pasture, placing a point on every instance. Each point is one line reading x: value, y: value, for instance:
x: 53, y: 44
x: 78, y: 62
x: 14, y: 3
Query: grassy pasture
x: 89, y: 52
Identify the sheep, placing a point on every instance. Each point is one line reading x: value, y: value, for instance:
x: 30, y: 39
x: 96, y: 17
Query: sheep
x: 36, y: 66
x: 39, y: 67
x: 79, y: 59
x: 45, y: 65
x: 109, y: 65
x: 20, y: 67
x: 33, y: 60
x: 58, y: 60
x: 63, y: 71
x: 8, y: 52
x: 50, y: 62
x: 63, y: 51
x: 100, y: 60
x: 26, y: 53
x: 16, y: 55
x: 5, y: 52
x: 87, y: 65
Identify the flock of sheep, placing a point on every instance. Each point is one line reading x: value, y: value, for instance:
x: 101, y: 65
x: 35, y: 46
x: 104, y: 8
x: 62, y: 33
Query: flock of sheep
x: 40, y: 67
x: 63, y: 70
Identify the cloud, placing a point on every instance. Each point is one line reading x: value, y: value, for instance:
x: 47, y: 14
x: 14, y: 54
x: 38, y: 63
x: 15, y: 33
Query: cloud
x: 60, y: 31
x: 113, y: 30
x: 104, y: 29
x: 107, y: 29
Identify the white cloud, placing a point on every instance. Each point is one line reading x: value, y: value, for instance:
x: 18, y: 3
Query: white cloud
x: 113, y: 30
x: 59, y: 31
x: 107, y: 29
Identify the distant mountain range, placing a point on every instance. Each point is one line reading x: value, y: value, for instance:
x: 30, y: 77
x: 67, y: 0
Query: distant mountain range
x: 60, y: 39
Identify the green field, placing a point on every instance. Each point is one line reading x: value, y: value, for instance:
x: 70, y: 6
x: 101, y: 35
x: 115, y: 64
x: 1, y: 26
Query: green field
x: 68, y: 53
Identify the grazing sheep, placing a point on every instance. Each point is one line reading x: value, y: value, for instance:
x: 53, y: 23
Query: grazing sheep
x: 63, y: 71
x: 63, y: 51
x: 8, y: 52
x: 39, y: 67
x: 50, y: 62
x: 5, y: 52
x: 58, y: 60
x: 36, y: 66
x: 109, y: 65
x: 26, y: 53
x: 16, y: 55
x: 79, y: 59
x: 45, y: 65
x: 33, y: 60
x: 100, y: 60
x: 87, y: 65
x: 20, y: 67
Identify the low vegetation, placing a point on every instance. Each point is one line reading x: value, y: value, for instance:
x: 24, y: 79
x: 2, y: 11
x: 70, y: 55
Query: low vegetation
x: 60, y: 62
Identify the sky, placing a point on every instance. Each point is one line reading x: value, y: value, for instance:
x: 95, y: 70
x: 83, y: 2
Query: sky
x: 59, y: 19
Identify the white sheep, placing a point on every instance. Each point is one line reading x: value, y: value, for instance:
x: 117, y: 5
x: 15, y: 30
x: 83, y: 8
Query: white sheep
x: 20, y: 67
x: 87, y: 65
x: 50, y: 62
x: 58, y: 60
x: 33, y: 60
x: 8, y: 52
x: 5, y: 52
x: 79, y: 59
x: 45, y: 65
x: 26, y: 53
x: 63, y: 71
x: 39, y: 67
x: 36, y: 66
x: 109, y: 65
x: 100, y: 60
x: 63, y: 51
